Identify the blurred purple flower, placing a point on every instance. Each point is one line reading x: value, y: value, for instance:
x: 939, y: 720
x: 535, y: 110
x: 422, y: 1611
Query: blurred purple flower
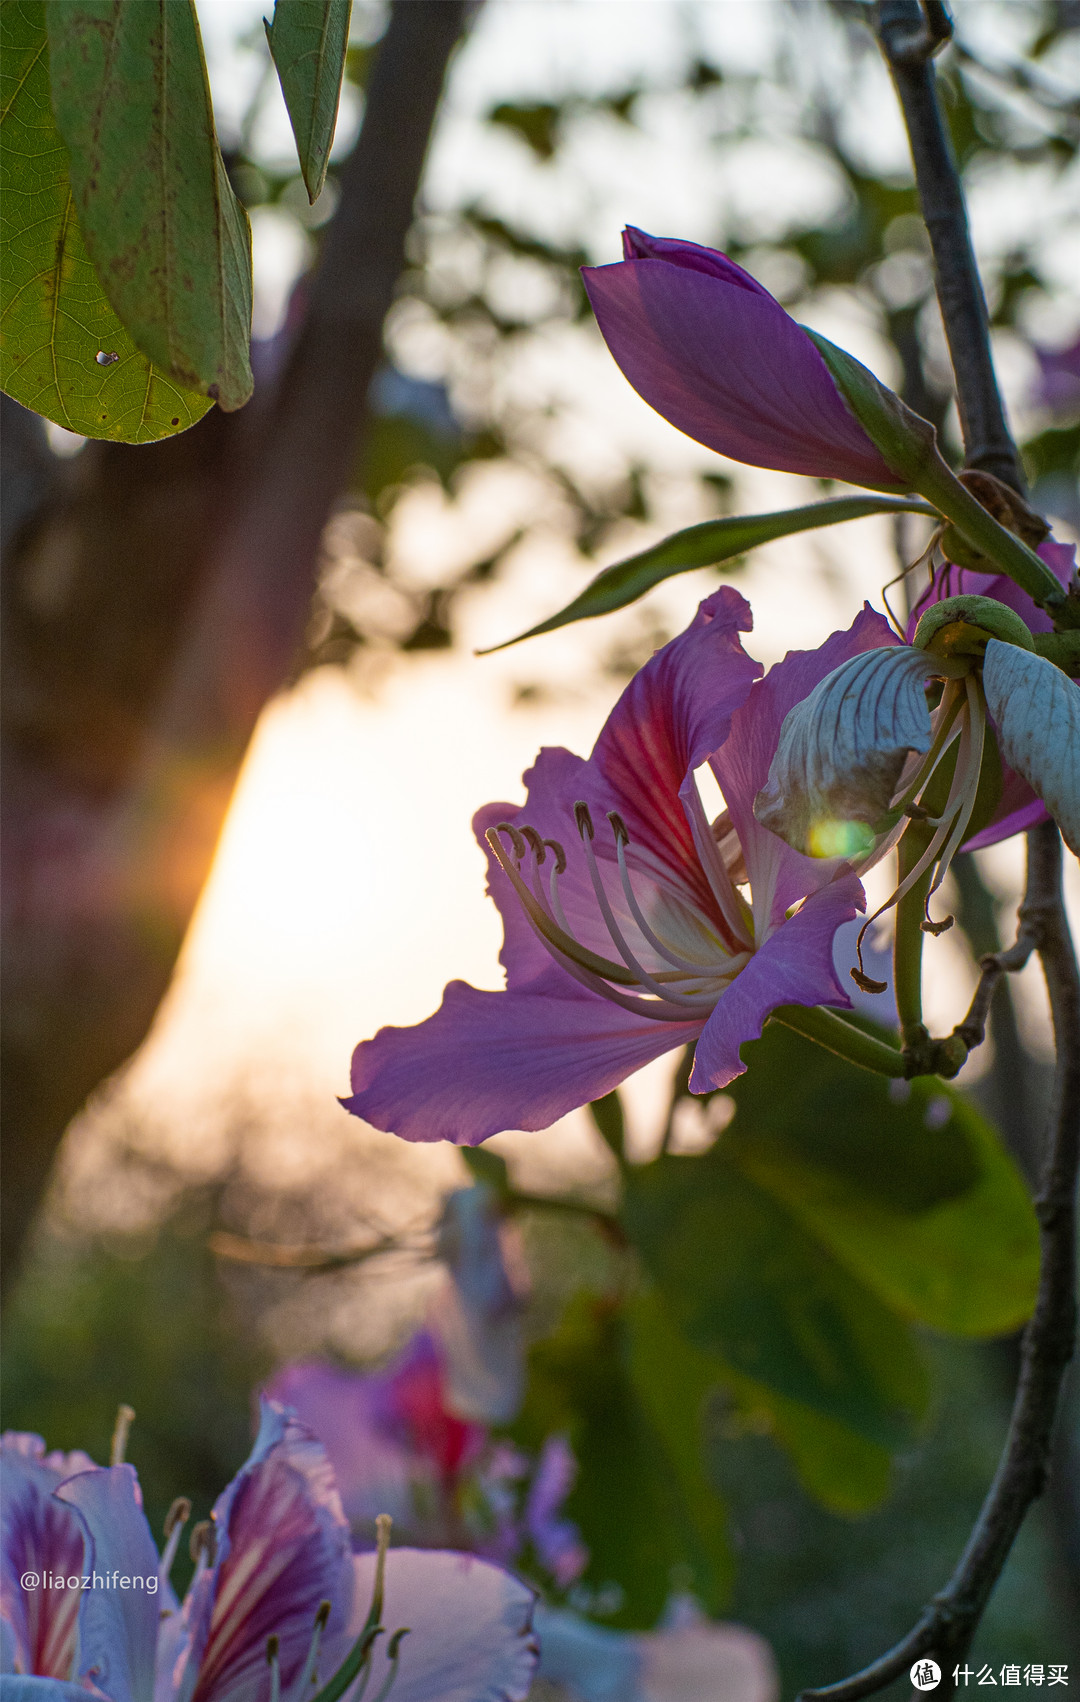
x: 557, y: 1541
x: 1058, y: 386
x: 396, y: 1446
x: 476, y: 1314
x: 276, y: 1588
x: 628, y: 929
x: 713, y: 352
x: 1019, y: 807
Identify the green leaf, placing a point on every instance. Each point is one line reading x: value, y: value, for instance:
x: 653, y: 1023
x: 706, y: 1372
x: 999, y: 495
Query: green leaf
x: 644, y: 1510
x: 706, y: 545
x: 308, y: 39
x: 841, y: 1470
x: 169, y: 240
x: 743, y: 1279
x: 906, y: 1184
x: 54, y: 316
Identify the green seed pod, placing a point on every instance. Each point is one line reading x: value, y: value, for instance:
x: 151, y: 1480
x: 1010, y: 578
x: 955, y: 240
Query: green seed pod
x: 963, y: 626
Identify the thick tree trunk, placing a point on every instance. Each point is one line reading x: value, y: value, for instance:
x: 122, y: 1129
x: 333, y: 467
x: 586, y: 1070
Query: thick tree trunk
x: 154, y: 600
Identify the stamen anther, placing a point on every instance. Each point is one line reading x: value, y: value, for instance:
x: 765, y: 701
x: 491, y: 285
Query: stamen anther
x: 859, y: 976
x: 179, y: 1514
x: 175, y: 1520
x: 558, y: 853
x: 584, y: 819
x: 618, y: 826
x: 931, y: 927
x: 516, y: 840
x: 125, y: 1417
x: 203, y: 1543
x: 536, y: 842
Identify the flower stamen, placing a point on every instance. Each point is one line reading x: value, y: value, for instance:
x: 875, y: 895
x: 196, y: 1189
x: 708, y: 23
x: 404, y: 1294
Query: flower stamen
x: 175, y: 1520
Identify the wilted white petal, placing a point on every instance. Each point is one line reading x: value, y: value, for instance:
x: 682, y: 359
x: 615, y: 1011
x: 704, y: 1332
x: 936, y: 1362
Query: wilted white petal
x: 1037, y: 711
x: 470, y: 1627
x: 842, y: 749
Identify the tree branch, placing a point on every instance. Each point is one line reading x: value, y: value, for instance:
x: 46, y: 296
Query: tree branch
x: 947, y: 1625
x: 136, y: 687
x: 909, y: 37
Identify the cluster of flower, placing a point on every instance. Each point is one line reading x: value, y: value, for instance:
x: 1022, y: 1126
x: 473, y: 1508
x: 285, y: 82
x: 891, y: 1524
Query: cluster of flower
x: 293, y: 1572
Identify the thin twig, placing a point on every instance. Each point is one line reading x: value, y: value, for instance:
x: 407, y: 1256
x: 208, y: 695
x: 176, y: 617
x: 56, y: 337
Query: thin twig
x: 972, y: 1031
x: 947, y: 1624
x: 277, y: 1255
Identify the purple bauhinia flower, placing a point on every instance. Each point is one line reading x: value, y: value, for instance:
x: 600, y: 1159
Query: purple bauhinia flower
x: 711, y: 350
x: 277, y: 1593
x: 396, y: 1444
x: 633, y: 924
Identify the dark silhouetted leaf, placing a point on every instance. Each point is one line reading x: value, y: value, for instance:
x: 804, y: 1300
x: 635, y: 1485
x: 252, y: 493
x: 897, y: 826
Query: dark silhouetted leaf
x: 308, y: 39
x: 55, y: 319
x: 168, y: 238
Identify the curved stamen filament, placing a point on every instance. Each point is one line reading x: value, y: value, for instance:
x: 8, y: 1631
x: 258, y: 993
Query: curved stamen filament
x: 969, y: 790
x: 732, y: 910
x: 951, y: 826
x: 550, y: 930
x: 546, y: 917
x: 622, y: 839
x: 690, y: 1000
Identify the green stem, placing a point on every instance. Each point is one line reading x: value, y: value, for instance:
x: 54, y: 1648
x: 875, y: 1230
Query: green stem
x: 827, y: 1029
x: 939, y: 484
x: 908, y: 942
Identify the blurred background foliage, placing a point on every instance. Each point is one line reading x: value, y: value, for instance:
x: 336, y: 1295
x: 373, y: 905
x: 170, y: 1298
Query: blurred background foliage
x: 824, y: 1543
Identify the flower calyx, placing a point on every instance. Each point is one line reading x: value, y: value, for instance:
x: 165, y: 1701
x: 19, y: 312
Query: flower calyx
x: 963, y: 626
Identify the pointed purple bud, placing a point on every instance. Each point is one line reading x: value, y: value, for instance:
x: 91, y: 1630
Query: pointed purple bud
x: 713, y: 352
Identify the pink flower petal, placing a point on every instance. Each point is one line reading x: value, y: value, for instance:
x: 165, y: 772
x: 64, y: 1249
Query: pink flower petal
x: 470, y: 1627
x: 794, y: 966
x: 491, y: 1061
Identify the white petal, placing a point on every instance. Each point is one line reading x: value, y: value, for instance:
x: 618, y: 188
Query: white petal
x: 708, y: 1663
x: 1037, y: 711
x: 470, y: 1627
x: 841, y: 750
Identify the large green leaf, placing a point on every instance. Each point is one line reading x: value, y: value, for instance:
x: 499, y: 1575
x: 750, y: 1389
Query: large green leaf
x: 745, y: 1281
x: 676, y: 1382
x: 169, y: 240
x: 55, y: 320
x: 905, y: 1183
x: 640, y: 1500
x: 308, y: 39
x: 707, y: 545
